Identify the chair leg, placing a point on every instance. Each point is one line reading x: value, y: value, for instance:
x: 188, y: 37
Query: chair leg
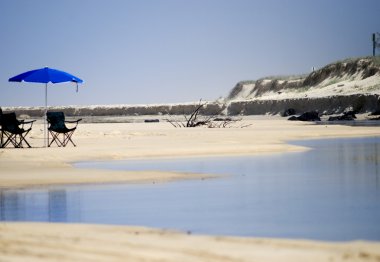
x: 68, y: 138
x: 5, y: 140
x: 2, y: 139
x: 16, y: 140
x: 10, y: 138
x: 17, y: 143
x: 22, y: 139
x: 55, y: 139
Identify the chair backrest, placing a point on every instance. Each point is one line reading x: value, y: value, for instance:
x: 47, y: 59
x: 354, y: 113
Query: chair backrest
x: 56, y: 120
x: 10, y: 123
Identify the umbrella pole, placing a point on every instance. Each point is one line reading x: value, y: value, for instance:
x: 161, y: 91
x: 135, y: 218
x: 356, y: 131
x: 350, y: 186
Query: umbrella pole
x: 45, y: 117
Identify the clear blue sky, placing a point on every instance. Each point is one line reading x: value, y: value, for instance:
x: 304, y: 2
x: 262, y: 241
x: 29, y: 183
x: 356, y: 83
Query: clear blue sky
x: 168, y: 51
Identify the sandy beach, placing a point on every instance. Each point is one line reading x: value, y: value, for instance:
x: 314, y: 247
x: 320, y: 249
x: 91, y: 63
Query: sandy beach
x: 40, y: 166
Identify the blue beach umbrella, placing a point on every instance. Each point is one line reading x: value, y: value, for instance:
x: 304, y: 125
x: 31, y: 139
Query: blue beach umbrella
x: 46, y: 75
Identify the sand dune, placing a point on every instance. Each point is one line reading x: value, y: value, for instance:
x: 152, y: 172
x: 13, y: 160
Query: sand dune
x: 359, y: 76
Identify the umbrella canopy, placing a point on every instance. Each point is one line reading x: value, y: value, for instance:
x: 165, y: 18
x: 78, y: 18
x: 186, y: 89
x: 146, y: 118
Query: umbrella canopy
x: 46, y: 75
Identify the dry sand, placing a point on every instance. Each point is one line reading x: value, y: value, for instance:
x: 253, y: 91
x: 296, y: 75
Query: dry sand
x: 62, y: 242
x: 73, y: 242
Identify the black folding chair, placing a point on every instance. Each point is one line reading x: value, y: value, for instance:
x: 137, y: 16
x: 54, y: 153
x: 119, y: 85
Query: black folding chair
x: 12, y: 133
x: 57, y: 126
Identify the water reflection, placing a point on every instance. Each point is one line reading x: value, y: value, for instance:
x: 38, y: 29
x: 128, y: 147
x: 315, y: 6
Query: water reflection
x: 354, y: 162
x: 56, y: 205
x: 330, y: 193
x: 10, y: 206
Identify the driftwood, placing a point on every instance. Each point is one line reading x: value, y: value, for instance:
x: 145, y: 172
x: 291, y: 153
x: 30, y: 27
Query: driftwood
x: 194, y: 120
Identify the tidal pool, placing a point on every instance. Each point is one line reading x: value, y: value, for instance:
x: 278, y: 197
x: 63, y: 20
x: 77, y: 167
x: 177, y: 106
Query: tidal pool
x: 331, y: 192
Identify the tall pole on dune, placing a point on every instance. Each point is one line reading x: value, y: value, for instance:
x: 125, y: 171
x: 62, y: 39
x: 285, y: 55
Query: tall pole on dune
x: 374, y: 44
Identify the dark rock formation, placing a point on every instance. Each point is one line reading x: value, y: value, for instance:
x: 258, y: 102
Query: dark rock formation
x: 293, y: 118
x: 151, y: 120
x: 307, y: 116
x: 347, y: 116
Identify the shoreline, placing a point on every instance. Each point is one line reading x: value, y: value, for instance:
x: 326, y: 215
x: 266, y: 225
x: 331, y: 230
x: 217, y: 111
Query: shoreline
x: 81, y: 242
x: 119, y: 141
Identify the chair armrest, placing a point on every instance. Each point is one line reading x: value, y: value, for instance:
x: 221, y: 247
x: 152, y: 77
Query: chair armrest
x: 73, y: 121
x: 27, y: 122
x: 23, y: 122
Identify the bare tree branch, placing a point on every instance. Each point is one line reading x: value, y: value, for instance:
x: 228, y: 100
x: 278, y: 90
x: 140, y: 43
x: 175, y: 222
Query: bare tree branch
x: 211, y: 121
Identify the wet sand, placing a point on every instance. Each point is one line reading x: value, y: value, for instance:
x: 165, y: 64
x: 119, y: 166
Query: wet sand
x: 52, y: 166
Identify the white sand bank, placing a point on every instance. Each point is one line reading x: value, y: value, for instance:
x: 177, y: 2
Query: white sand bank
x: 72, y: 242
x: 43, y: 166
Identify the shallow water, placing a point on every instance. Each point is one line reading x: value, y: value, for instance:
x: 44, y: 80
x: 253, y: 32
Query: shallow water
x: 329, y: 193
